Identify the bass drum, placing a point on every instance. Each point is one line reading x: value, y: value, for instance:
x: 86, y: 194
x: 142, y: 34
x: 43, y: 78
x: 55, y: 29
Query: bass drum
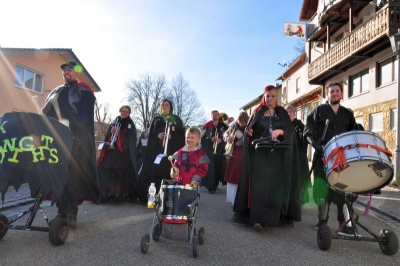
x: 357, y: 161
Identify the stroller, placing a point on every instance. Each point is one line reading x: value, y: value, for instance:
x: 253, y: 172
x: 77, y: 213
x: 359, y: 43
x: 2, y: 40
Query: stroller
x: 42, y: 162
x: 365, y: 168
x: 175, y: 209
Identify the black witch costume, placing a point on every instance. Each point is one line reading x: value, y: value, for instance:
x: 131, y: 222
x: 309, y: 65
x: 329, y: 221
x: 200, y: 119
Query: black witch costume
x: 117, y: 163
x: 266, y: 193
x: 154, y: 172
x: 216, y: 169
x: 74, y: 102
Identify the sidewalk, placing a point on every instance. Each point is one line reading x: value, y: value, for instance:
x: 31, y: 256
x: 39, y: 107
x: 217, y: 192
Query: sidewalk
x: 387, y: 203
x: 16, y: 198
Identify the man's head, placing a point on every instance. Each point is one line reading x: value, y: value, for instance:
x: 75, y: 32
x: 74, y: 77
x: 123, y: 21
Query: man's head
x: 334, y: 93
x: 70, y: 70
x: 215, y: 115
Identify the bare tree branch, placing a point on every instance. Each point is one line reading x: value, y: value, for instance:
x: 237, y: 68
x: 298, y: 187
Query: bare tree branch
x: 144, y: 96
x: 102, y: 118
x: 186, y: 105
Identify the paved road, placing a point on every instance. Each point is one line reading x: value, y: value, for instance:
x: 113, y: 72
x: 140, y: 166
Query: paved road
x: 110, y: 234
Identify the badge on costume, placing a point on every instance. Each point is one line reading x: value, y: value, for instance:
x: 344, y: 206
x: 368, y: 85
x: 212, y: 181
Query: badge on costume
x: 129, y: 126
x: 158, y: 158
x: 173, y: 128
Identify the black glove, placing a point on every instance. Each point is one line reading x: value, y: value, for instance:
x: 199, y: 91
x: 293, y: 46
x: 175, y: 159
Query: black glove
x: 315, y: 144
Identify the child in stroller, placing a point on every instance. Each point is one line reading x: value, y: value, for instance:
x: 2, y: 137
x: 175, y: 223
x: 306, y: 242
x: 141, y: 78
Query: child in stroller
x: 177, y: 201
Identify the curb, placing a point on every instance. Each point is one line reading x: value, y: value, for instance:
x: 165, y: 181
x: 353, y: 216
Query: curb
x: 379, y: 211
x: 17, y: 203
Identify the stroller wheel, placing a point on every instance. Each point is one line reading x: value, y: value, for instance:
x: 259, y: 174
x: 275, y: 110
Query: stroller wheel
x: 389, y: 243
x: 324, y: 237
x: 3, y: 221
x: 58, y: 232
x: 195, y: 246
x: 201, y: 235
x: 145, y: 244
x: 156, y: 232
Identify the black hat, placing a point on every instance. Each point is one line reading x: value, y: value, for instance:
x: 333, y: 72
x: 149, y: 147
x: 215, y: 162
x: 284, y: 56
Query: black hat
x: 68, y: 63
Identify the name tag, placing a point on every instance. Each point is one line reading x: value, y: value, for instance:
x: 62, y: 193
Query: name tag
x: 144, y: 142
x: 159, y: 158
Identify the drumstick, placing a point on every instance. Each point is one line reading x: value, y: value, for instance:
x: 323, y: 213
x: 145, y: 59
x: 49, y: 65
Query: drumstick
x: 324, y: 132
x: 170, y: 159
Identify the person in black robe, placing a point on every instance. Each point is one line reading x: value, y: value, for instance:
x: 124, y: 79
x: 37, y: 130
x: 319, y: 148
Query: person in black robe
x: 213, y: 144
x: 141, y: 148
x: 73, y: 105
x: 341, y: 120
x: 302, y: 161
x: 117, y: 161
x: 264, y: 189
x: 155, y: 165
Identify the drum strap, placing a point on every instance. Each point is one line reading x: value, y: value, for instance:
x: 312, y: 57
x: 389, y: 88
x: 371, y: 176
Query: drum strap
x: 340, y: 161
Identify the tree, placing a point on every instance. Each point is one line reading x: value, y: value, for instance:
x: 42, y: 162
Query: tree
x: 102, y: 119
x: 299, y: 46
x: 144, y: 97
x: 186, y: 105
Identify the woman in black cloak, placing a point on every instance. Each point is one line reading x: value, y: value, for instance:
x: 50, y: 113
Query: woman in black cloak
x: 264, y: 187
x: 117, y: 161
x: 155, y: 165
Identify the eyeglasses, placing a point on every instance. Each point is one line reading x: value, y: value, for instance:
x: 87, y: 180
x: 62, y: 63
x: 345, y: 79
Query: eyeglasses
x: 69, y: 69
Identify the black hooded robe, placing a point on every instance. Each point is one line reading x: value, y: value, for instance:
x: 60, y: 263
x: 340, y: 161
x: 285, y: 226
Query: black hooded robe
x: 151, y: 172
x: 117, y: 166
x: 264, y: 189
x: 76, y: 103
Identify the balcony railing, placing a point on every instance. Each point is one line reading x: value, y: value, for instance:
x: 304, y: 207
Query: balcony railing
x: 383, y: 22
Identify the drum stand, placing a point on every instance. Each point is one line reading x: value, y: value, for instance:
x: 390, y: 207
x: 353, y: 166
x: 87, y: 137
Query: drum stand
x: 57, y: 228
x: 387, y: 239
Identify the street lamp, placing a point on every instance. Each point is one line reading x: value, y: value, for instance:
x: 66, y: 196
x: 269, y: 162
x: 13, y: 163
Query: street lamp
x: 395, y: 42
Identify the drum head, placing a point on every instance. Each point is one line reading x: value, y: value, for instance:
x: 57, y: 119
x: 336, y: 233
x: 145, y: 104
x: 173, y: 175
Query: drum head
x: 361, y: 176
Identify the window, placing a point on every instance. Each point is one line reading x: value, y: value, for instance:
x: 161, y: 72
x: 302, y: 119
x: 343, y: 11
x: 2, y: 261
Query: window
x: 360, y: 120
x: 387, y: 71
x: 376, y: 122
x: 27, y: 79
x: 297, y: 85
x: 359, y: 83
x: 393, y: 119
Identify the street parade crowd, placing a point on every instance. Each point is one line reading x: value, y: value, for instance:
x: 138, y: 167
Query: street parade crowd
x: 261, y: 158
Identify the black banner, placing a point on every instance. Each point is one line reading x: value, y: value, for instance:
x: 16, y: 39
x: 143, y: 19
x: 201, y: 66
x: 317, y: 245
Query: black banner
x: 34, y: 149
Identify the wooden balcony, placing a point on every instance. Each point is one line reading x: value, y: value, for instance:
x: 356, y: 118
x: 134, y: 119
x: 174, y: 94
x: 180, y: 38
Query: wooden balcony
x: 360, y: 44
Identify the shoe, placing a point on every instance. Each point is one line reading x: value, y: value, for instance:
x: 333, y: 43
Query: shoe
x: 71, y: 220
x: 319, y: 224
x: 211, y: 191
x: 257, y: 227
x: 345, y: 230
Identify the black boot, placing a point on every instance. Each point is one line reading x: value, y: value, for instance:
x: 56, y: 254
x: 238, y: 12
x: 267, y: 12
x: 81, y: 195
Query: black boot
x: 72, y: 213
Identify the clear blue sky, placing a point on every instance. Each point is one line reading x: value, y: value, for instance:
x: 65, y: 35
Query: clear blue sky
x: 228, y: 50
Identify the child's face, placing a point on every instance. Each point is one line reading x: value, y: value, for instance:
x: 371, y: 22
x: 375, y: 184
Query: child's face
x: 192, y: 139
